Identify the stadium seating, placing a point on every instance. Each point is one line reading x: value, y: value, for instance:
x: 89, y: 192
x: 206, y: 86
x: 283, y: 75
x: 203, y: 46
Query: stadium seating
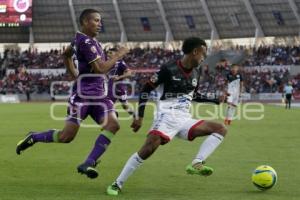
x: 132, y: 11
x: 265, y: 11
x: 231, y: 18
x: 53, y: 21
x: 178, y: 13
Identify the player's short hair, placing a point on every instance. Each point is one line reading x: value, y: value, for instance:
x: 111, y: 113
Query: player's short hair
x: 191, y: 43
x: 86, y: 14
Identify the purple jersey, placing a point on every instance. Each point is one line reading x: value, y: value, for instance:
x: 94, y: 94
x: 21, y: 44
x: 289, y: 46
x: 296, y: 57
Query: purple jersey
x: 119, y: 68
x: 120, y: 89
x: 87, y: 50
x: 89, y: 93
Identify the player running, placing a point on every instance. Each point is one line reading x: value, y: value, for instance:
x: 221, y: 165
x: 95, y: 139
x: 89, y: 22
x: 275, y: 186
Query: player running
x: 88, y: 96
x: 176, y: 82
x: 234, y: 91
x: 116, y: 88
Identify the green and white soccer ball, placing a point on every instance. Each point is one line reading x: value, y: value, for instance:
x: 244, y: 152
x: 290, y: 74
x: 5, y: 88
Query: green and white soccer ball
x: 264, y: 177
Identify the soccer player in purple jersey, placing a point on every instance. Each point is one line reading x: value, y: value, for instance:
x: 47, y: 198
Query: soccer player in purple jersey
x: 88, y: 97
x: 116, y: 88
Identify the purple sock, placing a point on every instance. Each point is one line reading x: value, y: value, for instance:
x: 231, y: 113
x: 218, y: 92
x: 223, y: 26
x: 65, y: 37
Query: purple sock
x: 47, y: 136
x: 100, y: 146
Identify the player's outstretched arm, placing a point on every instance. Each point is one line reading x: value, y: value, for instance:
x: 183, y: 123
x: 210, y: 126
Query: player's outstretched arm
x: 143, y: 98
x: 241, y: 88
x: 160, y: 77
x: 101, y: 67
x: 127, y: 74
x: 136, y: 124
x: 202, y: 99
x: 67, y: 58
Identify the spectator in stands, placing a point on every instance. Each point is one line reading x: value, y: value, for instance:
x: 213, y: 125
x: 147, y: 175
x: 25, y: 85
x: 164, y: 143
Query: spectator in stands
x: 257, y: 79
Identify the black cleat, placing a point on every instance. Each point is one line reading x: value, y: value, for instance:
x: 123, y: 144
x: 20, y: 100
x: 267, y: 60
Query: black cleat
x: 25, y: 143
x: 88, y: 169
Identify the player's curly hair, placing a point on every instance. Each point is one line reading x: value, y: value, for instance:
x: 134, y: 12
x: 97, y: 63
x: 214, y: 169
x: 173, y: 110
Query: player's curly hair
x: 86, y: 13
x: 191, y: 43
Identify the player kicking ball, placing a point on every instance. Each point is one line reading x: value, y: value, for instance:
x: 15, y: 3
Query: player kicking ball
x: 177, y: 82
x: 234, y: 91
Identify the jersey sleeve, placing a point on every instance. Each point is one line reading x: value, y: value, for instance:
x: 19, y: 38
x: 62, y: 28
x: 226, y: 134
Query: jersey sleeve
x: 204, y: 99
x: 89, y: 51
x: 122, y: 66
x: 159, y: 77
x: 241, y: 77
x: 73, y: 46
x: 228, y: 77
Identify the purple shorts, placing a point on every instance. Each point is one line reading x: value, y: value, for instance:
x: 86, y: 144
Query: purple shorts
x: 120, y: 94
x: 79, y: 109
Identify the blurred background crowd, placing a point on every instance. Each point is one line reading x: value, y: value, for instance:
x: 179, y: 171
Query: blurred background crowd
x: 16, y: 78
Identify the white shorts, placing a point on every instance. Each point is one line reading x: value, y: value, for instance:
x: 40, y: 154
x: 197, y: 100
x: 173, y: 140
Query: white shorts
x: 233, y: 99
x: 168, y: 125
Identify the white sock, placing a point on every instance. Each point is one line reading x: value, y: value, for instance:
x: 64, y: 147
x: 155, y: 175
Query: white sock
x: 208, y: 146
x: 131, y: 165
x: 230, y: 112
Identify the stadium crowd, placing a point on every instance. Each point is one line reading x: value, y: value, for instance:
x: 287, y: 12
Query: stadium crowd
x: 256, y: 80
x: 22, y: 82
x: 33, y: 59
x: 146, y: 61
x: 273, y: 55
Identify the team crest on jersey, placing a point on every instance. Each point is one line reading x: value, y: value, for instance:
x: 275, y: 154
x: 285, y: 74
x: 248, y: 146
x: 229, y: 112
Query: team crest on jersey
x: 194, y: 82
x: 93, y: 49
x: 86, y: 41
x: 154, y: 78
x: 175, y: 78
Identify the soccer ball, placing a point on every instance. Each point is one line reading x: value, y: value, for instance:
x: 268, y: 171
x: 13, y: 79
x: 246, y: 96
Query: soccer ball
x: 264, y: 177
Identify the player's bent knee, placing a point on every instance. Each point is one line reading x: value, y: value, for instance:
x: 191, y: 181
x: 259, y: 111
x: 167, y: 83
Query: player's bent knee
x: 221, y: 129
x: 112, y: 127
x: 115, y: 128
x: 146, y: 152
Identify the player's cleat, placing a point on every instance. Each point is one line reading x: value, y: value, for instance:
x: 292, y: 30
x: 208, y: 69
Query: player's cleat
x: 25, y: 143
x: 113, y: 189
x: 199, y: 169
x: 88, y: 170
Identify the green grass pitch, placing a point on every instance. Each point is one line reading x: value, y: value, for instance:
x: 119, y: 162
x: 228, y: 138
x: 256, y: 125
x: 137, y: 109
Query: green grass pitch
x: 48, y: 171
